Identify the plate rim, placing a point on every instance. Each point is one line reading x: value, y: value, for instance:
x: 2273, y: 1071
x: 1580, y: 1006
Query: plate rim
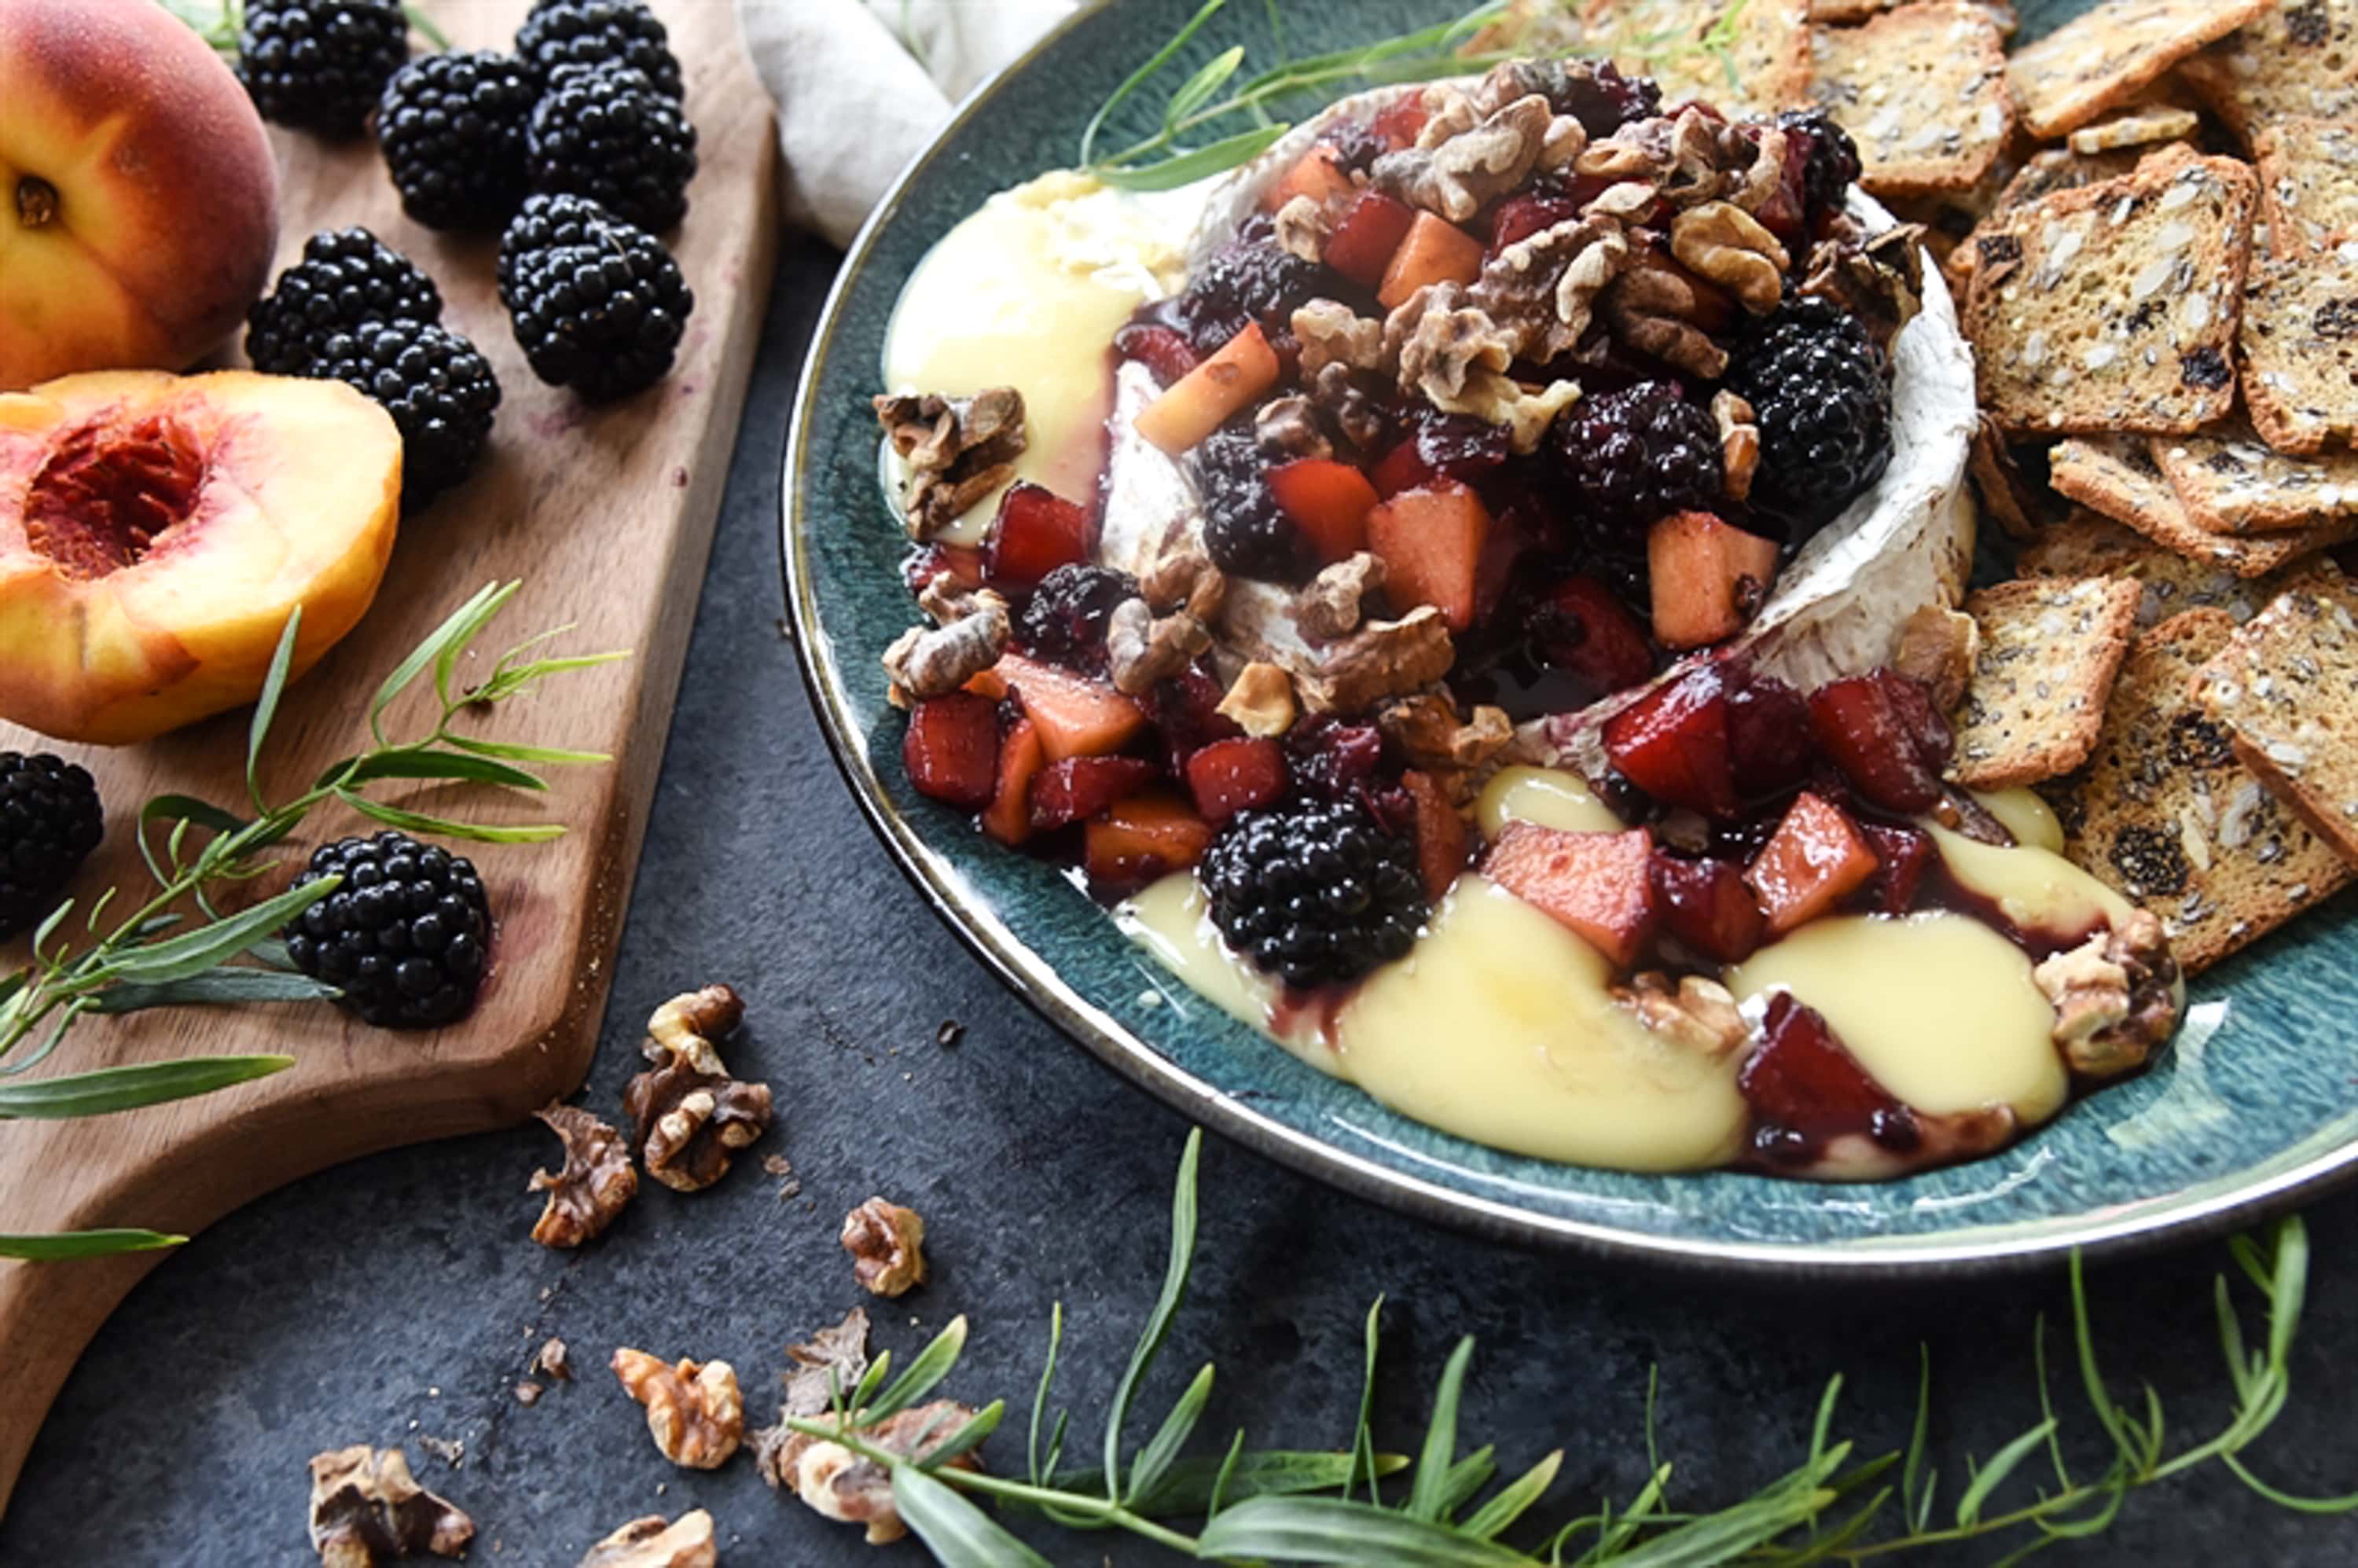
x: 1033, y: 980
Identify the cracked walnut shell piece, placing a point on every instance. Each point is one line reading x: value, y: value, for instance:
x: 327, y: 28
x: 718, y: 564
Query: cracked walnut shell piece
x: 595, y: 1185
x: 835, y: 1483
x: 653, y: 1542
x: 688, y: 1114
x: 887, y: 1244
x: 958, y: 450
x: 695, y: 1413
x: 367, y: 1509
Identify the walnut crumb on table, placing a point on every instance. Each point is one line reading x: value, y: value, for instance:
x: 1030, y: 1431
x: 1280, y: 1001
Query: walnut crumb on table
x: 887, y: 1245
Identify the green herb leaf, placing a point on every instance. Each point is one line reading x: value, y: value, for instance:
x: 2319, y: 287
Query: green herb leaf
x: 452, y: 766
x: 453, y: 634
x: 265, y: 707
x: 1425, y: 1490
x: 85, y: 1244
x: 1167, y: 1305
x: 2002, y: 1464
x: 112, y: 1090
x: 967, y: 1438
x: 509, y: 751
x: 446, y: 828
x: 193, y: 952
x: 1037, y: 1468
x: 1363, y: 1443
x: 1186, y: 168
x: 214, y: 988
x: 930, y: 1365
x: 1187, y: 1489
x: 425, y: 24
x: 1352, y: 1535
x: 1514, y: 1499
x: 1156, y: 1457
x: 1138, y: 78
x: 1198, y: 90
x: 959, y: 1534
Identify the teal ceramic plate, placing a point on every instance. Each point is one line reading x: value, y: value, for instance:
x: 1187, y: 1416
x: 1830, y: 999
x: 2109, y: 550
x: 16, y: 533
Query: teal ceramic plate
x: 2257, y: 1106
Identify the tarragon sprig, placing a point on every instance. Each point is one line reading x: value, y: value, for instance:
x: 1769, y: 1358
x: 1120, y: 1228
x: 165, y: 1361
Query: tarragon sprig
x: 1238, y: 1505
x: 179, y: 948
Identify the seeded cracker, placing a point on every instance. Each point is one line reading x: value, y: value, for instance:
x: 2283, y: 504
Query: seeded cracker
x: 2049, y: 649
x: 1923, y: 92
x: 2298, y: 58
x: 2164, y: 812
x: 2141, y: 126
x: 2098, y: 60
x: 2052, y: 169
x: 2309, y: 184
x: 2287, y: 685
x: 1767, y: 56
x: 2300, y: 350
x: 2117, y: 476
x: 2114, y: 307
x: 2230, y: 482
x: 2088, y: 544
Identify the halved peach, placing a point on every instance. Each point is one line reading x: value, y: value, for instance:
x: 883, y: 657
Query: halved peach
x: 156, y: 531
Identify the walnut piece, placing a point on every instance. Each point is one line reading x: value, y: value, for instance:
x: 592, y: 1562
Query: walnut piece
x: 1259, y: 701
x: 1288, y: 427
x: 1185, y: 578
x: 1333, y: 601
x: 837, y: 1484
x: 958, y: 450
x: 1878, y: 280
x: 1382, y: 658
x: 1440, y: 343
x: 694, y: 1411
x: 932, y: 661
x: 1543, y: 288
x: 1142, y: 648
x: 887, y: 1244
x: 366, y: 1508
x: 1739, y: 441
x: 1700, y: 1015
x: 2114, y: 996
x: 652, y: 1543
x: 1457, y: 169
x: 1722, y: 242
x: 688, y: 1114
x: 1652, y: 310
x: 1302, y: 228
x: 1354, y: 400
x: 595, y: 1185
x: 830, y: 1363
x: 1426, y: 727
x: 1936, y: 648
x: 1331, y: 333
x: 553, y: 1360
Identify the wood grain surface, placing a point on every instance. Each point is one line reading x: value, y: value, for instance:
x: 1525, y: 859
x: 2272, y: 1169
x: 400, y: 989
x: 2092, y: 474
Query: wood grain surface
x: 605, y: 516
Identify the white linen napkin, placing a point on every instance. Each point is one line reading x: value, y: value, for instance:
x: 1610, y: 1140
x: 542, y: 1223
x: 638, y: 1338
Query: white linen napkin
x: 862, y: 85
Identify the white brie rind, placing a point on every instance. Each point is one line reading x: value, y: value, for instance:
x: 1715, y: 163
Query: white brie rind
x: 1836, y: 609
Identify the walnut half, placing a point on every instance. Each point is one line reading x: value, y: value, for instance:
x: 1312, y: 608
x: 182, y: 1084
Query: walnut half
x: 655, y: 1543
x: 2114, y: 995
x: 688, y: 1114
x: 595, y: 1185
x: 959, y: 450
x: 366, y: 1508
x: 887, y: 1244
x: 695, y: 1413
x: 837, y: 1484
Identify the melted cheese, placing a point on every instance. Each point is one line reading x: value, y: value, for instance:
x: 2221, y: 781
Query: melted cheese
x: 1170, y: 921
x: 1028, y: 292
x: 1938, y: 1008
x: 2036, y: 889
x: 2030, y: 819
x: 1548, y: 796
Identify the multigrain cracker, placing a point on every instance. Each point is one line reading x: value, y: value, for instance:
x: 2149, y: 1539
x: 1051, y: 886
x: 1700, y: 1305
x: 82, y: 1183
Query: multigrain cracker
x: 2116, y: 476
x: 2165, y: 813
x: 2138, y: 126
x: 2052, y: 169
x: 2297, y: 58
x: 2300, y: 350
x: 2114, y: 307
x: 2286, y: 686
x: 1923, y: 92
x: 2101, y: 57
x: 2088, y: 544
x: 2050, y: 648
x: 2232, y: 482
x: 2309, y: 183
x: 1765, y: 65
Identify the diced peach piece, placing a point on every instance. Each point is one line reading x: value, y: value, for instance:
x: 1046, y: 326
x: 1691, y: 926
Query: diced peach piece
x: 1008, y: 817
x: 1329, y: 500
x: 1402, y: 120
x: 1315, y: 174
x: 1708, y: 578
x: 1240, y: 774
x: 1365, y: 237
x: 1201, y: 401
x: 1145, y: 836
x: 1598, y: 885
x: 987, y: 683
x: 1816, y: 858
x: 1441, y: 838
x: 1077, y: 716
x: 1431, y: 542
x: 1433, y: 250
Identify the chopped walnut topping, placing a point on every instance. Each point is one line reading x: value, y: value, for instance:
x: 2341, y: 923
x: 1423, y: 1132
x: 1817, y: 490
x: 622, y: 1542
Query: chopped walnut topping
x: 651, y: 1543
x: 959, y: 450
x: 837, y: 1484
x: 1259, y: 701
x: 1878, y: 281
x: 887, y: 1244
x: 1739, y: 441
x: 1543, y: 288
x: 694, y: 1411
x: 1652, y: 310
x: 829, y: 1364
x: 688, y: 1114
x: 1457, y: 169
x: 1356, y: 409
x: 1382, y: 658
x: 1937, y: 648
x: 1441, y: 344
x: 1331, y: 605
x: 2114, y: 996
x: 947, y: 600
x: 1722, y: 242
x: 1761, y: 179
x: 1288, y: 427
x: 1623, y: 201
x: 1331, y: 333
x: 595, y: 1185
x: 1700, y: 1015
x: 932, y: 661
x: 1184, y: 577
x: 1142, y: 647
x: 1302, y: 228
x: 366, y: 1508
x: 1427, y: 728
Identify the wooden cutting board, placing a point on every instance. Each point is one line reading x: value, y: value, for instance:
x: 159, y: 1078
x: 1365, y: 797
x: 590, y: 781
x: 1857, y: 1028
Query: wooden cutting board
x: 606, y: 515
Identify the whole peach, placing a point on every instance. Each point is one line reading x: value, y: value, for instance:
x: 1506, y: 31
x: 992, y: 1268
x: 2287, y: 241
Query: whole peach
x: 138, y: 196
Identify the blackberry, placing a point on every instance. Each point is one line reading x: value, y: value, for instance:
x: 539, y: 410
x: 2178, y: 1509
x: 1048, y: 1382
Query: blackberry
x: 1315, y: 892
x: 1243, y: 530
x: 405, y: 937
x: 318, y: 65
x: 1065, y: 619
x: 50, y: 820
x: 1356, y: 147
x: 452, y: 127
x: 1593, y: 92
x: 1833, y: 165
x: 603, y: 132
x: 559, y: 33
x: 597, y: 304
x: 1243, y: 283
x: 436, y: 386
x: 1637, y: 455
x: 347, y: 277
x: 1819, y: 394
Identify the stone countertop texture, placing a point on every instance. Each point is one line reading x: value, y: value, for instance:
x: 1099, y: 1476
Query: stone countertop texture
x: 396, y: 1298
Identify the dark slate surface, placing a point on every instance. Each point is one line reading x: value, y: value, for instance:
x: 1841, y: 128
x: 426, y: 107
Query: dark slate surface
x: 396, y: 1298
